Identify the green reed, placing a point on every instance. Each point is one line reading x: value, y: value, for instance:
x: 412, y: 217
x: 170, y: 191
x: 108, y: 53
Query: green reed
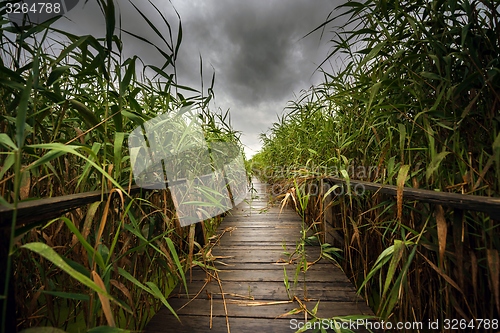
x: 67, y: 105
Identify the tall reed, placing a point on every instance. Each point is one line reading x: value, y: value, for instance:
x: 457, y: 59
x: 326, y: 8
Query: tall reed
x: 415, y: 104
x: 67, y: 104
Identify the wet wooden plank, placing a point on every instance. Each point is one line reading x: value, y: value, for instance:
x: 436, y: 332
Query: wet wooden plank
x: 258, y: 256
x: 271, y: 291
x: 273, y: 275
x: 271, y: 218
x: 270, y: 232
x: 265, y: 266
x: 261, y: 308
x: 262, y: 224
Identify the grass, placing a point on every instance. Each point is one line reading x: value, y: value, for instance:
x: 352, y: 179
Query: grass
x: 67, y: 106
x: 415, y: 104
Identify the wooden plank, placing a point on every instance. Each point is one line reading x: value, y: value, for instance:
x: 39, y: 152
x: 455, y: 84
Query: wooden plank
x: 273, y: 250
x: 252, y: 246
x: 271, y: 231
x: 262, y: 308
x: 281, y: 225
x: 264, y: 218
x: 268, y: 275
x: 322, y: 265
x: 238, y: 241
x: 257, y: 256
x: 236, y: 238
x: 263, y: 246
x: 258, y: 224
x: 311, y: 251
x: 264, y: 290
x: 267, y: 266
x: 269, y: 234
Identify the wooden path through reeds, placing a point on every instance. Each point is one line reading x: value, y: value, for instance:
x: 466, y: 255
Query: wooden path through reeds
x: 248, y: 293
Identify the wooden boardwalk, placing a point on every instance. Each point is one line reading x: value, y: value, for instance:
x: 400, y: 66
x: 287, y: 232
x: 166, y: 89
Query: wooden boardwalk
x: 250, y: 294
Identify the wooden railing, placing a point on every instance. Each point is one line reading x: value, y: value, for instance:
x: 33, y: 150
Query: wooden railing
x: 477, y: 203
x: 458, y: 202
x: 45, y: 209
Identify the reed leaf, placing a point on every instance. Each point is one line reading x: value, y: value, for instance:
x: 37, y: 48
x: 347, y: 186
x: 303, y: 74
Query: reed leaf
x: 106, y: 308
x: 151, y: 288
x: 403, y: 172
x: 48, y: 253
x: 175, y: 256
x: 92, y: 253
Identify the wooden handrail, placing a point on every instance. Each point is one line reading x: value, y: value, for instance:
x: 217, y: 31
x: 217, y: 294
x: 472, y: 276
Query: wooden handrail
x: 48, y: 208
x: 45, y: 209
x: 478, y: 203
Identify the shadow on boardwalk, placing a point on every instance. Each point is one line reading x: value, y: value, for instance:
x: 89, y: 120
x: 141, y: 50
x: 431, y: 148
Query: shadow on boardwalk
x: 250, y: 294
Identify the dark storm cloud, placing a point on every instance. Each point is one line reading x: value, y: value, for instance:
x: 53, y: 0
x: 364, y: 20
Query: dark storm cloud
x: 256, y: 46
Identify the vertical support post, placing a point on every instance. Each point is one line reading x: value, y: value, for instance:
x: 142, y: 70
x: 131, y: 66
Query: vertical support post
x: 200, y: 233
x: 458, y: 240
x: 10, y: 316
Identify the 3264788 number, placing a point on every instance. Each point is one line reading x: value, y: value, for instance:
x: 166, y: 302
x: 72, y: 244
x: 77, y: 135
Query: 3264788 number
x: 37, y: 7
x: 455, y: 324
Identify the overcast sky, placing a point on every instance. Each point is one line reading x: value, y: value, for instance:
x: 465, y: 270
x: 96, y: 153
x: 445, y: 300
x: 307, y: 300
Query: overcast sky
x: 255, y: 47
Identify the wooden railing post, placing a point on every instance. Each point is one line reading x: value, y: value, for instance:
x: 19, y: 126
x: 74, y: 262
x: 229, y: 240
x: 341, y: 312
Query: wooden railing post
x: 200, y: 233
x: 458, y: 234
x: 10, y: 316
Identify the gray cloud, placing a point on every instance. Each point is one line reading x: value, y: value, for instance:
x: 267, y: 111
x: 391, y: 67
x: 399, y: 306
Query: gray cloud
x: 255, y: 48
